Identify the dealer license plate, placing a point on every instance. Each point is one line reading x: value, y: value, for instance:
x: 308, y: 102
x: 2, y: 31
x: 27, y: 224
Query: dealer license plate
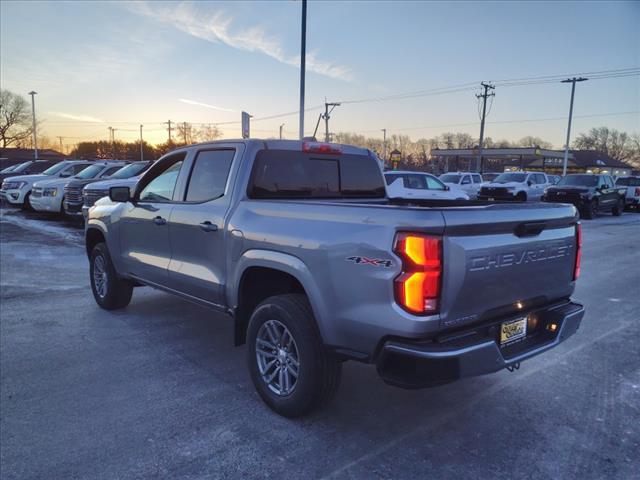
x: 513, y: 330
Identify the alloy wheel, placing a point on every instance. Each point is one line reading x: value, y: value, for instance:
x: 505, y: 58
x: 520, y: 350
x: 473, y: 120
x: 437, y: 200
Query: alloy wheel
x: 278, y: 358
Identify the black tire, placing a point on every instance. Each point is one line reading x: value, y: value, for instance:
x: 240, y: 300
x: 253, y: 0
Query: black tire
x: 26, y: 205
x: 521, y: 197
x: 117, y: 291
x: 590, y: 210
x: 618, y: 209
x: 319, y: 370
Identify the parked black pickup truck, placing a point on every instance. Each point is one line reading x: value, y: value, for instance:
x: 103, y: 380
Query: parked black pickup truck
x: 589, y: 193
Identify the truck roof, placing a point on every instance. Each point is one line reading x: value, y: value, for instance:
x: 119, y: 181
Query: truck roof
x: 276, y: 144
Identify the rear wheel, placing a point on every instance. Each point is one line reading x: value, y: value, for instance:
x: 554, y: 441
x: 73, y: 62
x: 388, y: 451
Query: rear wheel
x: 521, y: 197
x: 290, y: 367
x: 618, y: 209
x: 109, y: 290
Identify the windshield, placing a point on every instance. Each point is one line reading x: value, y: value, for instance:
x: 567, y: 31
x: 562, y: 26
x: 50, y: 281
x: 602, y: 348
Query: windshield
x: 510, y: 177
x: 450, y: 178
x: 130, y: 170
x: 13, y: 168
x: 488, y: 177
x: 579, y: 181
x: 89, y: 172
x: 55, y: 169
x: 629, y: 181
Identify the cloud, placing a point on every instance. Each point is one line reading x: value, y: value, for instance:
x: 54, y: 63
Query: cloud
x: 80, y: 118
x: 200, y: 104
x: 216, y: 28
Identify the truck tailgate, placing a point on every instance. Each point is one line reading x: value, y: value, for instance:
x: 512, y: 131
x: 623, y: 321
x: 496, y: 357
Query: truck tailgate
x: 504, y: 258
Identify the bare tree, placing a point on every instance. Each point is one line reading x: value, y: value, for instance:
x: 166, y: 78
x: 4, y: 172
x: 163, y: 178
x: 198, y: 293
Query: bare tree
x: 530, y: 141
x: 608, y: 141
x: 15, y: 119
x: 207, y: 133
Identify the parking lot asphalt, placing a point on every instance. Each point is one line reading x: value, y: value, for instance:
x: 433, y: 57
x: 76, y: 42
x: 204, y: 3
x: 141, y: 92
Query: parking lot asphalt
x: 158, y: 391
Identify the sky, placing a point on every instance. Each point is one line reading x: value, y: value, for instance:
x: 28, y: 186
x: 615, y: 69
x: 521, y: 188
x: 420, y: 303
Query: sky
x: 123, y: 64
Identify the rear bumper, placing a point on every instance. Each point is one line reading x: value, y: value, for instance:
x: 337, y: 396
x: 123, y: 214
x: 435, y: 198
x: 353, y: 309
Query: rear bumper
x: 474, y: 351
x: 504, y: 197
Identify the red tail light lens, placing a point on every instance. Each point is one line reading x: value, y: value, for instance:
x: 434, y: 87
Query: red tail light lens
x: 417, y: 288
x: 317, y: 147
x: 576, y: 269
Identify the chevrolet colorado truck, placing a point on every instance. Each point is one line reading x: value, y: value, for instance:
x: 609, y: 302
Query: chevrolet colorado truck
x: 589, y: 193
x: 300, y: 245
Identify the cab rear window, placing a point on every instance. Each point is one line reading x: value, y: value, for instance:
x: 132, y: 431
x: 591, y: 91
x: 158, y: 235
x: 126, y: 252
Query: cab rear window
x: 296, y: 174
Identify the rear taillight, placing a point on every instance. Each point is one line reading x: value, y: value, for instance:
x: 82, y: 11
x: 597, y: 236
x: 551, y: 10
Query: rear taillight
x: 576, y: 269
x: 417, y: 288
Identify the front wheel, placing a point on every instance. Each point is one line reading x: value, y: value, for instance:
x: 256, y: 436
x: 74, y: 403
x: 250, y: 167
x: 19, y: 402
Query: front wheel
x: 590, y: 210
x: 26, y: 205
x: 109, y: 290
x: 521, y: 197
x: 290, y: 367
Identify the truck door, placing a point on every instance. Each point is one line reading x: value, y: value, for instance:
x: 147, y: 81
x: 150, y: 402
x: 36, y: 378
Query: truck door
x: 608, y: 194
x: 144, y: 229
x: 197, y: 225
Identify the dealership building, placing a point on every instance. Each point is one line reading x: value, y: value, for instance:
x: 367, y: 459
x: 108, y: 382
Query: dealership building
x: 511, y: 159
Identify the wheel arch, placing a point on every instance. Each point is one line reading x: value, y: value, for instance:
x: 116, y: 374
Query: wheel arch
x: 263, y: 273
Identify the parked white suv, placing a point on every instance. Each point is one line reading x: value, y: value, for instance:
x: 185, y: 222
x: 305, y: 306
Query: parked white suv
x: 520, y: 186
x: 17, y: 190
x: 470, y: 183
x: 48, y: 195
x: 420, y: 186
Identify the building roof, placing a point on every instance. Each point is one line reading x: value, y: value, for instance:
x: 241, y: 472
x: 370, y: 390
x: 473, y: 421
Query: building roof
x: 526, y: 153
x: 593, y: 158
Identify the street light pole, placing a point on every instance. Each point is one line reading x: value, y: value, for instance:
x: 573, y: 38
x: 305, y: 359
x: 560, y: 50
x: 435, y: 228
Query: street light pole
x: 33, y: 114
x: 282, y: 125
x: 141, y: 151
x: 303, y: 48
x: 384, y: 144
x: 572, y: 81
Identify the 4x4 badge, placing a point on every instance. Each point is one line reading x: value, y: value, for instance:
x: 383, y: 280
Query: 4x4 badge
x: 376, y: 262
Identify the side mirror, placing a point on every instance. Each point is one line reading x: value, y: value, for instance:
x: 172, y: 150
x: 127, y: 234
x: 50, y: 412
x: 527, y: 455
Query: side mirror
x: 447, y: 188
x: 65, y: 174
x: 119, y: 194
x: 529, y: 182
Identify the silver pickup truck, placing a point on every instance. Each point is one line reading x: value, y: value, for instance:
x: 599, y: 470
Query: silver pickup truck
x: 298, y: 243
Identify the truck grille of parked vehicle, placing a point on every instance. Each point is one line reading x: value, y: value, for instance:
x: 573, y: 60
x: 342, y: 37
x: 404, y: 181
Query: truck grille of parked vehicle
x: 73, y: 194
x: 574, y: 198
x: 90, y: 197
x: 497, y: 192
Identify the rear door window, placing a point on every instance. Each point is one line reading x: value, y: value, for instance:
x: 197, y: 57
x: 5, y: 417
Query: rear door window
x: 477, y: 178
x: 209, y: 175
x: 297, y: 174
x: 416, y: 182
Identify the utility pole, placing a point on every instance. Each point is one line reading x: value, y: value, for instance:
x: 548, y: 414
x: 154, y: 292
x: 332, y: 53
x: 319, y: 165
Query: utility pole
x: 141, y: 151
x: 572, y: 81
x: 326, y: 117
x: 61, y: 146
x: 33, y: 114
x: 281, y: 125
x: 484, y: 97
x: 168, y: 122
x: 384, y: 145
x: 303, y: 48
x: 184, y: 132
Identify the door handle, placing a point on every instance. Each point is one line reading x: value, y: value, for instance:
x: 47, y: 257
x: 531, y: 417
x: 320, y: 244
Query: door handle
x: 207, y: 226
x: 159, y: 220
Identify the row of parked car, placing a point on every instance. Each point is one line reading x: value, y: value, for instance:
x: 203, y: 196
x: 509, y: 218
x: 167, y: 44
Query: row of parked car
x: 73, y: 186
x: 590, y: 193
